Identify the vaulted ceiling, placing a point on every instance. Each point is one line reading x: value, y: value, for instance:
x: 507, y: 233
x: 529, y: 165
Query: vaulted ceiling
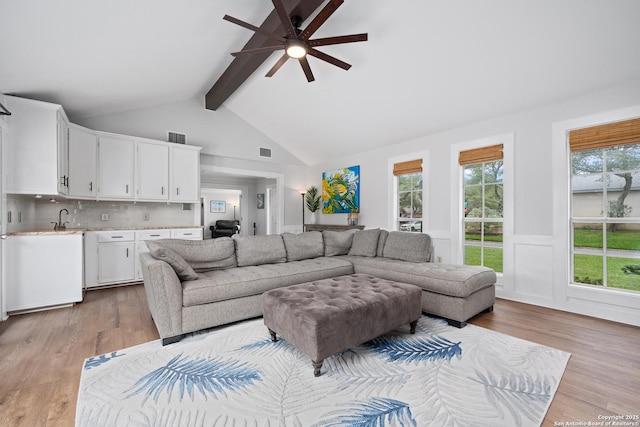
x: 429, y: 65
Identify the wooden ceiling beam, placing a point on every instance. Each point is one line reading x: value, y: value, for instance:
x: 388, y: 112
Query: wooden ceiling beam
x: 244, y: 65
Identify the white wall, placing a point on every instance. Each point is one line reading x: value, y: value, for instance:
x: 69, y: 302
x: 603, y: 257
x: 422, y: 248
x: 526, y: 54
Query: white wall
x: 220, y: 133
x: 537, y: 250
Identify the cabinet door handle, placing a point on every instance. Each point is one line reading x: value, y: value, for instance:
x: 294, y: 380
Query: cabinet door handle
x: 154, y: 235
x: 127, y: 188
x: 162, y: 190
x: 127, y: 252
x: 9, y: 216
x: 91, y: 186
x: 187, y: 234
x: 177, y: 191
x: 117, y: 237
x: 66, y: 181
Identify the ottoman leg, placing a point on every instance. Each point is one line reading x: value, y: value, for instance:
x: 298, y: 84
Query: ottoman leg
x: 273, y: 335
x: 316, y: 367
x: 413, y: 326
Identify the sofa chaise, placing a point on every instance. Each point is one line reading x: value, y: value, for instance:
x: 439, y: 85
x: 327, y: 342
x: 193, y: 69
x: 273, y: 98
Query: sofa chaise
x: 198, y: 284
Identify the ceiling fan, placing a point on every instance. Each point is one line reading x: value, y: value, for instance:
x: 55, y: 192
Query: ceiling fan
x: 297, y: 44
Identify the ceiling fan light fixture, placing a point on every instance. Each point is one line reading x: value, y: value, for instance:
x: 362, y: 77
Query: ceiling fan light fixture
x: 296, y: 49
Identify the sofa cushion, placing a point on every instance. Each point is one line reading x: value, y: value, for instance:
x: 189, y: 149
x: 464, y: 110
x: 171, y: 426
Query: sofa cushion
x: 447, y: 279
x: 204, y: 255
x: 381, y: 241
x: 413, y: 247
x: 337, y: 242
x: 365, y: 242
x: 258, y: 250
x: 180, y: 266
x: 242, y: 282
x: 303, y: 246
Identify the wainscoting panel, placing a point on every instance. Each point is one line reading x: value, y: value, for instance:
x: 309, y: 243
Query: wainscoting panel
x: 534, y: 267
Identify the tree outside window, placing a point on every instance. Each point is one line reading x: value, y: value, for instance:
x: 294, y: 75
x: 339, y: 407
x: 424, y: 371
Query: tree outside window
x: 605, y: 216
x: 483, y: 214
x: 410, y: 202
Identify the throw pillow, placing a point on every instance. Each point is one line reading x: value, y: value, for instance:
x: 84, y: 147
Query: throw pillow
x: 258, y: 250
x: 413, y: 247
x: 179, y: 265
x: 303, y: 246
x: 204, y: 255
x: 337, y: 242
x: 365, y: 242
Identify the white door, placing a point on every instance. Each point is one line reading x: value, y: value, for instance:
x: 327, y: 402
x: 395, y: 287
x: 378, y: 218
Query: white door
x: 82, y: 154
x: 3, y: 230
x: 185, y: 175
x: 116, y: 168
x: 116, y: 262
x: 153, y: 172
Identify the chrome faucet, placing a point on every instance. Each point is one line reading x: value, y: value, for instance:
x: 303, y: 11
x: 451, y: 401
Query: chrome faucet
x: 60, y: 225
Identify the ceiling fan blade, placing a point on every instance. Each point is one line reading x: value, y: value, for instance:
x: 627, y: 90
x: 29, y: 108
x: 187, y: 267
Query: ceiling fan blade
x: 254, y: 28
x: 328, y: 58
x: 285, y: 18
x: 338, y: 40
x: 320, y: 18
x: 277, y: 65
x: 306, y: 68
x: 258, y: 49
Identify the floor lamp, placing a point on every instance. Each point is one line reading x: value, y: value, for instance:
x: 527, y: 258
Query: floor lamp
x: 302, y: 194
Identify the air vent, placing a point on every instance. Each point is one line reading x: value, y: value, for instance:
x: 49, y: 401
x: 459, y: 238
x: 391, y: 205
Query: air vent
x: 177, y: 138
x: 265, y: 152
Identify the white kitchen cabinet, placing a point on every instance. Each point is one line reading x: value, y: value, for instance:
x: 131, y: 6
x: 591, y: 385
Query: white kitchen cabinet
x: 187, y: 233
x: 113, y: 257
x: 141, y: 246
x: 152, y: 171
x: 116, y: 166
x: 116, y: 256
x: 185, y: 174
x: 82, y: 163
x: 57, y: 279
x: 63, y: 156
x: 32, y: 146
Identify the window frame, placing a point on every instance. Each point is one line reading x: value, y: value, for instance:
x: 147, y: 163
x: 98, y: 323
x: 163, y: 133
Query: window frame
x: 598, y: 138
x: 392, y: 186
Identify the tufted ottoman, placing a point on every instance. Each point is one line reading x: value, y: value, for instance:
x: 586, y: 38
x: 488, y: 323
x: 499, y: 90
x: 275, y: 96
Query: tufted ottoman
x: 324, y: 317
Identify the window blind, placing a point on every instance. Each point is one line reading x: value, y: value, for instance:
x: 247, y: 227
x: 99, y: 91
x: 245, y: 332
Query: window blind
x: 405, y: 168
x: 479, y: 155
x: 604, y: 136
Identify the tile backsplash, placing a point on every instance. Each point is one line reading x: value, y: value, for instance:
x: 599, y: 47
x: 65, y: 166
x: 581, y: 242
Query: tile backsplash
x: 30, y: 213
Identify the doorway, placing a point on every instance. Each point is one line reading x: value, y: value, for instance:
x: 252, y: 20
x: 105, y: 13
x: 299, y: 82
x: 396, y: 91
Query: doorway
x: 272, y: 209
x: 220, y: 204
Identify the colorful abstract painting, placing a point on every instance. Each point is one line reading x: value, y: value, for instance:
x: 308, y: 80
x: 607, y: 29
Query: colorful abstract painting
x: 341, y: 190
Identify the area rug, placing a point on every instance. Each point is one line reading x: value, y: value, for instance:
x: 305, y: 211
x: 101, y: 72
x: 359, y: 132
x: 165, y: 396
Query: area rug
x: 236, y: 376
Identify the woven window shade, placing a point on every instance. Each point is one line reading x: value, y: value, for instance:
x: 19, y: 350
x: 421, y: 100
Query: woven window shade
x: 479, y: 155
x: 603, y: 136
x: 405, y: 168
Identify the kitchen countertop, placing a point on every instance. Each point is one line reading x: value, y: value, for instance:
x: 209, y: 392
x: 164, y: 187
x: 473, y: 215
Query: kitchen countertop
x: 70, y: 231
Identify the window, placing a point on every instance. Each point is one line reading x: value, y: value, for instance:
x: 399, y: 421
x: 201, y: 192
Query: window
x: 409, y: 181
x: 483, y: 206
x: 605, y: 205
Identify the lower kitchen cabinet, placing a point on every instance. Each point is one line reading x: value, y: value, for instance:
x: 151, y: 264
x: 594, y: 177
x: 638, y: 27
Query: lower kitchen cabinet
x: 112, y: 257
x: 42, y: 271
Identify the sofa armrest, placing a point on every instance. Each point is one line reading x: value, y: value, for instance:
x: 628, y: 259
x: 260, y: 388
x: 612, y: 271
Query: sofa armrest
x: 164, y: 295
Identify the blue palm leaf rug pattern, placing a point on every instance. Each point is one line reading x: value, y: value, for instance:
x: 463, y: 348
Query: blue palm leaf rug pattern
x: 235, y: 376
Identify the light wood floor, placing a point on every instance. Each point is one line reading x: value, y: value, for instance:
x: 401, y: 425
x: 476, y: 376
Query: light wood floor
x: 41, y: 355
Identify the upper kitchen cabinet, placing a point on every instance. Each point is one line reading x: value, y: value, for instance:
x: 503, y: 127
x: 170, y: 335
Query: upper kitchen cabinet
x: 116, y: 166
x: 185, y: 174
x: 82, y: 158
x: 152, y: 171
x: 33, y: 130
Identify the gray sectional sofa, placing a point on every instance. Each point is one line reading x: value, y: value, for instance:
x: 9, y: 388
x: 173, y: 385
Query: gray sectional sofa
x: 193, y: 285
